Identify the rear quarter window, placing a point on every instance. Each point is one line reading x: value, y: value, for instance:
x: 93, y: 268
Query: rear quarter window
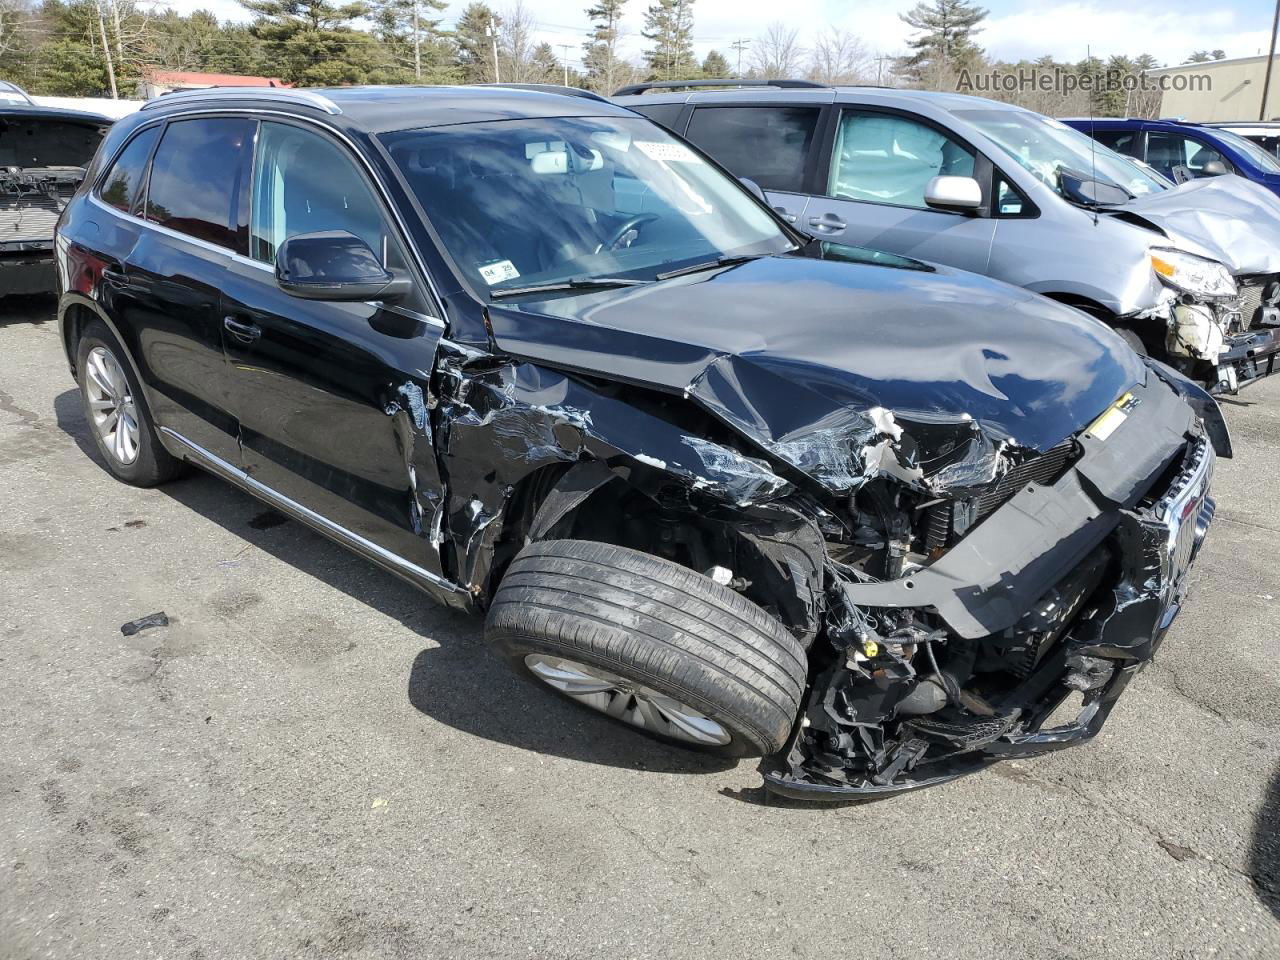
x: 122, y: 186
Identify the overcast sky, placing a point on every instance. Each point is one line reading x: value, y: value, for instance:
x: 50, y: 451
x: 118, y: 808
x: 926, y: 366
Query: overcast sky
x: 1170, y: 30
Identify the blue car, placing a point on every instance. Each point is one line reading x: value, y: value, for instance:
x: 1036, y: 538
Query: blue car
x: 1186, y: 151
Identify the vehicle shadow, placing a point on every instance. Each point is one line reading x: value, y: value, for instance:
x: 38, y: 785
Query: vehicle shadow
x: 27, y: 309
x: 456, y: 680
x: 1264, y: 850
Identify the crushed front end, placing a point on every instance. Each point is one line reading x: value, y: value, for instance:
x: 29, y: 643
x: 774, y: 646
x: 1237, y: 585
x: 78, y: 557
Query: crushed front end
x: 1003, y: 615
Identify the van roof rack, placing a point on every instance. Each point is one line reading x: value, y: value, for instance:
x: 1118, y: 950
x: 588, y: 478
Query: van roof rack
x: 278, y: 94
x: 635, y: 88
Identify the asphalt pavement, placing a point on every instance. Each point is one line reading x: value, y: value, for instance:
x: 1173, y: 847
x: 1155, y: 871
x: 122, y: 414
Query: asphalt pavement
x: 313, y: 760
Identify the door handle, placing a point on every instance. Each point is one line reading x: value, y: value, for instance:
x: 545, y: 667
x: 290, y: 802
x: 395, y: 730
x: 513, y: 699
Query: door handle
x: 244, y: 332
x: 782, y: 212
x: 828, y: 223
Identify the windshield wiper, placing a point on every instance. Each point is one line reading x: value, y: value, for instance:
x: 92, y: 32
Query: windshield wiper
x: 563, y: 286
x: 709, y: 265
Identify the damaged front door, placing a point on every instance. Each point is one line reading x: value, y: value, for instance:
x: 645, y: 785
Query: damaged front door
x: 333, y: 398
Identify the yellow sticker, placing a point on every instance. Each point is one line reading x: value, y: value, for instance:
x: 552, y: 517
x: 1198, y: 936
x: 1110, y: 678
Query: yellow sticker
x: 1112, y: 417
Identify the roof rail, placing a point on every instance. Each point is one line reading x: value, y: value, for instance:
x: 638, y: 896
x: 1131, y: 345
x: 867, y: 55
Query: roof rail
x: 549, y: 88
x: 279, y: 94
x: 635, y: 88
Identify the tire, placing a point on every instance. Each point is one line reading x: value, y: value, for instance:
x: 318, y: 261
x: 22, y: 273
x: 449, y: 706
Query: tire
x: 144, y: 462
x: 661, y: 630
x: 1130, y: 337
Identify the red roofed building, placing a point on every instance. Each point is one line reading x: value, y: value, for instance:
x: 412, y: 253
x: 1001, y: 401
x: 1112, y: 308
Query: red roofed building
x: 156, y: 83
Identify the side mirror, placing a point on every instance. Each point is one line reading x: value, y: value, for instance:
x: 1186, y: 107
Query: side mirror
x: 1214, y: 168
x: 960, y: 194
x: 337, y: 266
x: 754, y: 188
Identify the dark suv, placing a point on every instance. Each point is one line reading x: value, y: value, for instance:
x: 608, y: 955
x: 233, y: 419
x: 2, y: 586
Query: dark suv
x: 742, y: 491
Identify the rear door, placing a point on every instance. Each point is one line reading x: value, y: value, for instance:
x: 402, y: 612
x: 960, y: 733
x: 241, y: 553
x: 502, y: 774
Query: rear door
x: 166, y: 291
x: 332, y: 398
x: 772, y: 144
x: 874, y: 176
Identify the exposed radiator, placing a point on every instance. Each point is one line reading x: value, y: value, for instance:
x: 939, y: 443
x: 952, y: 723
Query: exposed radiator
x: 29, y: 218
x: 1044, y: 469
x: 1252, y: 291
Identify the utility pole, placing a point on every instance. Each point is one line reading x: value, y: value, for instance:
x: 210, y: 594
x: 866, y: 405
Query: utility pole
x: 880, y: 70
x: 492, y: 31
x: 1266, y: 84
x: 565, y: 47
x: 742, y: 44
x: 106, y: 51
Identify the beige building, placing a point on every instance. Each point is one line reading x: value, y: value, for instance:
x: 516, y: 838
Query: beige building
x: 1219, y: 90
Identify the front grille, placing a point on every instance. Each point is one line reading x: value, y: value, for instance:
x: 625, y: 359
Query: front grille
x: 940, y: 526
x: 29, y: 218
x: 1186, y: 507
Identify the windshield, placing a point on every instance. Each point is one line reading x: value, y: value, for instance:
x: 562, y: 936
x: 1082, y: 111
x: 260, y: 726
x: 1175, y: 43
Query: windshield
x: 1260, y: 158
x: 522, y: 203
x: 1047, y: 146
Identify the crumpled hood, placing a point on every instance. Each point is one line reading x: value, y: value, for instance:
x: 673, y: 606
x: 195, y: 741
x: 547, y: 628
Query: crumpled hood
x: 1232, y: 219
x: 845, y: 370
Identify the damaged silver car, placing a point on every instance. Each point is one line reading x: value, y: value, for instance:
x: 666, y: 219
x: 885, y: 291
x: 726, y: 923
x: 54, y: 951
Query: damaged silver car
x: 43, y: 155
x: 749, y: 493
x: 1189, y: 275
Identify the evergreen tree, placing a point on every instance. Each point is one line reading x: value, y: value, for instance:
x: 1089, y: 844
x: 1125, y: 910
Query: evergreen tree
x: 605, y: 71
x: 314, y: 42
x: 474, y: 44
x: 715, y: 66
x: 669, y: 24
x: 944, y: 43
x: 413, y: 40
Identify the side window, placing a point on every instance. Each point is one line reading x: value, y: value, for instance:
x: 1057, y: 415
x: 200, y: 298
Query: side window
x: 198, y: 178
x: 665, y: 114
x: 880, y: 158
x: 122, y: 186
x: 769, y: 145
x: 1199, y: 154
x: 305, y: 183
x: 1128, y: 142
x: 1179, y: 157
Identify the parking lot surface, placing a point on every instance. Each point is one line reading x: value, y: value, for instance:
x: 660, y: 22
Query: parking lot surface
x: 312, y: 760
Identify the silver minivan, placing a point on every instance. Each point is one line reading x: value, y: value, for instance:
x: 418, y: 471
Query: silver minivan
x: 1188, y: 274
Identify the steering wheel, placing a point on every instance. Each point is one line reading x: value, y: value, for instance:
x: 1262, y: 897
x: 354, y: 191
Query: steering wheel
x: 631, y: 223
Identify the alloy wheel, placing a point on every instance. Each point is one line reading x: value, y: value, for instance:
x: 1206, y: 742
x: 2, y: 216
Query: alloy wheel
x: 111, y: 405
x: 627, y: 700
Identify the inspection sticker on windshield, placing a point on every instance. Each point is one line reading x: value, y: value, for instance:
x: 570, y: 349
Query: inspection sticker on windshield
x: 669, y: 152
x: 496, y: 271
x: 1116, y: 414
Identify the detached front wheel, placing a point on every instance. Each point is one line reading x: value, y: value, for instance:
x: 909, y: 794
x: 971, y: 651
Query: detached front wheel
x: 651, y: 644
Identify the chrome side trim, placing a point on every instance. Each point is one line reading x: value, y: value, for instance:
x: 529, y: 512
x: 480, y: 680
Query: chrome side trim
x: 367, y: 548
x: 278, y: 94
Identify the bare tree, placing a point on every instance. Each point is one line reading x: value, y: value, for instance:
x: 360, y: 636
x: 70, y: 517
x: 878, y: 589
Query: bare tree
x: 839, y: 57
x: 516, y: 44
x: 17, y: 19
x: 777, y: 53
